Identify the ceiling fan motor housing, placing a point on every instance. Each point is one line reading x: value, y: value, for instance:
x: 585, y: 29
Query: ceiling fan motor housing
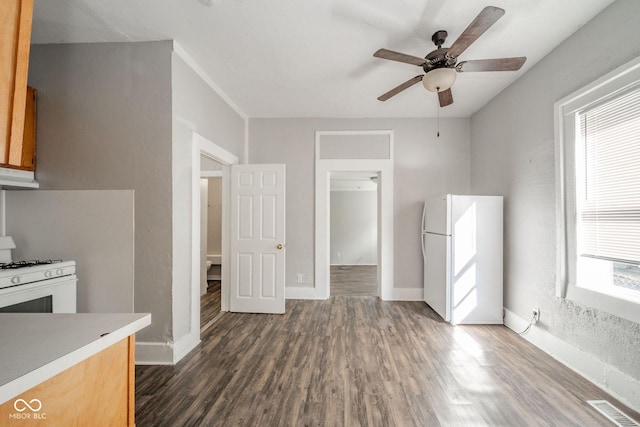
x: 440, y: 65
x: 438, y: 59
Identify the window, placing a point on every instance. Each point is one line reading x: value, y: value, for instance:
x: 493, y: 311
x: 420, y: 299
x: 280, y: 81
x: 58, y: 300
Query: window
x: 598, y: 183
x: 607, y: 159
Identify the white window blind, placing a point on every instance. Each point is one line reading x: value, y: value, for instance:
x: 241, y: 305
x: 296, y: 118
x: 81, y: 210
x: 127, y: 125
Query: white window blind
x: 608, y: 179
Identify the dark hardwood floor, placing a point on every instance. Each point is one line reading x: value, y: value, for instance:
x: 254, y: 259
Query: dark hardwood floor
x: 360, y: 361
x: 210, y: 304
x: 354, y: 280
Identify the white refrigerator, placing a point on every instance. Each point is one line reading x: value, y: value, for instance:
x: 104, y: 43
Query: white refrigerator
x: 462, y: 251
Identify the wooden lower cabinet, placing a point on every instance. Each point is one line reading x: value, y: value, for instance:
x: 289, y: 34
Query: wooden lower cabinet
x: 98, y: 391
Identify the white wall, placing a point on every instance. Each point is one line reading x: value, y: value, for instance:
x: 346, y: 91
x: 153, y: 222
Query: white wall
x: 196, y: 107
x: 512, y: 154
x: 423, y: 166
x: 354, y: 221
x: 104, y: 122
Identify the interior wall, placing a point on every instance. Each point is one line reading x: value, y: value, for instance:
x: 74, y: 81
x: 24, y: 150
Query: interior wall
x: 121, y: 116
x: 512, y: 155
x: 424, y: 166
x: 204, y: 225
x: 196, y: 107
x: 354, y: 222
x: 214, y: 216
x: 93, y: 228
x: 104, y: 122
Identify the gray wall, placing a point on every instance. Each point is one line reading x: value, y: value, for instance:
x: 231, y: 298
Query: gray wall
x: 512, y: 155
x: 424, y: 166
x: 354, y: 221
x: 104, y: 122
x: 204, y: 201
x: 120, y: 116
x: 196, y: 107
x: 93, y: 228
x: 214, y: 216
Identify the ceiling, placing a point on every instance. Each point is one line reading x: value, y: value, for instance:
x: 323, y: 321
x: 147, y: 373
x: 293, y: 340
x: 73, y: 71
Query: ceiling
x: 313, y: 58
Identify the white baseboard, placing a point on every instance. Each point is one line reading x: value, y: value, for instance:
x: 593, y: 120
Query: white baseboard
x: 397, y: 294
x: 407, y: 294
x: 353, y: 265
x: 298, y: 292
x: 154, y: 353
x: 609, y: 378
x: 165, y: 353
x: 185, y: 344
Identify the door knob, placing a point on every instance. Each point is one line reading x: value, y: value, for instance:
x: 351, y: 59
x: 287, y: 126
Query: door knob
x: 279, y: 246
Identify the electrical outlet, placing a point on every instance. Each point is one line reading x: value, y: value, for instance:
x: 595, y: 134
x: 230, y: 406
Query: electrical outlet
x: 536, y: 315
x: 300, y: 278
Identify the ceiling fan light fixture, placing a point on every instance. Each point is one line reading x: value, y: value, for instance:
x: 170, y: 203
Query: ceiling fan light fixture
x: 439, y: 80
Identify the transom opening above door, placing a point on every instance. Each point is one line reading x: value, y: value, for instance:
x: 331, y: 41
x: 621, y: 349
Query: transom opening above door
x: 354, y: 145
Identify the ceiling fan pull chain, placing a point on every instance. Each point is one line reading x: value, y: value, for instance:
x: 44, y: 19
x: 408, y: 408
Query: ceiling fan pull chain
x: 438, y: 123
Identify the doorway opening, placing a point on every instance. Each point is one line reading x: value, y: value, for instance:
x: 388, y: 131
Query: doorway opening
x: 211, y: 208
x: 353, y: 236
x: 207, y: 160
x: 362, y: 152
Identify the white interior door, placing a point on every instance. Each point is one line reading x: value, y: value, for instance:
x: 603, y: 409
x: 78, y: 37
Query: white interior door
x: 257, y: 238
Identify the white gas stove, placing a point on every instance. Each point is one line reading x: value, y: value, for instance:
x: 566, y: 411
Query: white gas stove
x: 47, y: 286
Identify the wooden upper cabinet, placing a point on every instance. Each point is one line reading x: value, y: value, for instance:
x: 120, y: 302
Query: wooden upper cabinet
x: 15, y: 41
x: 26, y: 156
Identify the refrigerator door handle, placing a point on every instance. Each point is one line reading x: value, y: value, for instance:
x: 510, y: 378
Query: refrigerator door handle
x: 422, y: 231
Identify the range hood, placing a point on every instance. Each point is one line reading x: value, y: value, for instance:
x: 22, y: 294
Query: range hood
x: 16, y: 178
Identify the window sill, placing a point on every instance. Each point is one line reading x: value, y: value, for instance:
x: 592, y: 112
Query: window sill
x: 617, y: 305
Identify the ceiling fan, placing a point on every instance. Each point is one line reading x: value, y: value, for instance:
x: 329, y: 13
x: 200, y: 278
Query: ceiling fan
x: 441, y: 65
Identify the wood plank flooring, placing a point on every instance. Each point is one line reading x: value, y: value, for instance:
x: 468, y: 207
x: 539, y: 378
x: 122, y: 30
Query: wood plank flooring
x: 210, y: 303
x: 354, y: 280
x: 360, y: 361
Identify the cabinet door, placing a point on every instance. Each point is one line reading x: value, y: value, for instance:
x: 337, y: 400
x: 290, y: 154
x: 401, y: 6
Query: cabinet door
x: 26, y: 156
x: 99, y: 391
x: 15, y: 39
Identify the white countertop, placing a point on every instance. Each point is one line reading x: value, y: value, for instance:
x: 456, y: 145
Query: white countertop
x: 35, y: 347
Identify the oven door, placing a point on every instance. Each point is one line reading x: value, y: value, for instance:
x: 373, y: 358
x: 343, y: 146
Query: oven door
x: 50, y: 296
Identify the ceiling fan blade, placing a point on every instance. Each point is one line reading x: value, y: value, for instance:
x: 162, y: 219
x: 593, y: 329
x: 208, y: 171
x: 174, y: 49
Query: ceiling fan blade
x: 400, y: 57
x: 497, y: 64
x: 445, y: 97
x: 396, y: 90
x: 485, y: 19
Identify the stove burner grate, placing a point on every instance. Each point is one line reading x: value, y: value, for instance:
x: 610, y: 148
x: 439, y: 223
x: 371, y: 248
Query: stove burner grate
x: 30, y: 263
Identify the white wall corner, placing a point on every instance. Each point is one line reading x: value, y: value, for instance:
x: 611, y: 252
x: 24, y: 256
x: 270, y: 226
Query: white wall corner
x: 165, y: 353
x: 185, y: 344
x: 188, y: 59
x: 609, y: 378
